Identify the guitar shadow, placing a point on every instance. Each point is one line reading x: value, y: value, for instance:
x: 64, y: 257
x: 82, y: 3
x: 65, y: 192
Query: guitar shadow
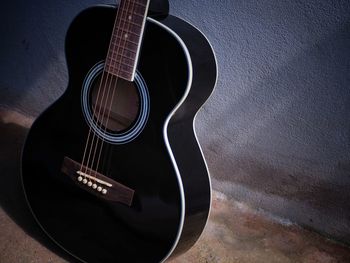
x: 12, y: 198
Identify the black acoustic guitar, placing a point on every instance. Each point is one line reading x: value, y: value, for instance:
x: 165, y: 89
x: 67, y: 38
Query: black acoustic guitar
x: 112, y: 171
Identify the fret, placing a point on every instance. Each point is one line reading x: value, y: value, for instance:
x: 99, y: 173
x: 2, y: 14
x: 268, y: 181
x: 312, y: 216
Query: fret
x: 121, y: 66
x: 139, y: 4
x: 122, y: 41
x: 126, y: 38
x: 137, y: 10
x: 136, y: 29
x: 116, y: 67
x: 119, y: 72
x: 120, y: 38
x: 130, y: 53
x: 137, y: 19
x: 117, y: 57
x: 137, y: 14
x: 120, y: 69
x: 126, y: 46
x: 121, y: 46
x: 125, y: 35
x: 128, y: 31
x: 125, y: 53
x: 133, y: 23
x: 123, y: 50
x: 132, y: 3
x: 123, y: 60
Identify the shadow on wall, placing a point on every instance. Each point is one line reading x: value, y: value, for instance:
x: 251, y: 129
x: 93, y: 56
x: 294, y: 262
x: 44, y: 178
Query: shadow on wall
x: 289, y: 137
x: 26, y: 54
x: 32, y: 60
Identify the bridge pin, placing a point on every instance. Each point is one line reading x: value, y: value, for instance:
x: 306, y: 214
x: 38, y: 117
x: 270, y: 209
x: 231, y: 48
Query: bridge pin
x: 94, y: 186
x: 89, y: 183
x: 80, y: 178
x: 84, y: 181
x: 104, y: 191
x: 99, y: 188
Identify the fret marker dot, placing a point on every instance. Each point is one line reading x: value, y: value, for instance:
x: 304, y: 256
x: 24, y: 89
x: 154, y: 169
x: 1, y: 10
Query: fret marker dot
x: 126, y: 35
x: 129, y: 17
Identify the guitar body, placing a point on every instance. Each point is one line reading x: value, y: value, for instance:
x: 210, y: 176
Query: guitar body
x: 162, y: 163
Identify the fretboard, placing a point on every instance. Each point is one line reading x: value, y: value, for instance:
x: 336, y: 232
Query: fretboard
x: 126, y: 38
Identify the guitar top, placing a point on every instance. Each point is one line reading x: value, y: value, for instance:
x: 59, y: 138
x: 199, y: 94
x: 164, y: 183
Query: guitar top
x: 112, y: 171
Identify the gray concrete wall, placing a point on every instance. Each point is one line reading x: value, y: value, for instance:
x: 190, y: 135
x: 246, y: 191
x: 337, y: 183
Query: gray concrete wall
x: 276, y: 132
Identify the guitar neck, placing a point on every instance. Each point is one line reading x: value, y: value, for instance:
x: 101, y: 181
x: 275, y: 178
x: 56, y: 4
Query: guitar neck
x: 126, y: 38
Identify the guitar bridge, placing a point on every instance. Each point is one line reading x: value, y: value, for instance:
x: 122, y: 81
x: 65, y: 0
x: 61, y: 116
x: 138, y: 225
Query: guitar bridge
x: 97, y: 183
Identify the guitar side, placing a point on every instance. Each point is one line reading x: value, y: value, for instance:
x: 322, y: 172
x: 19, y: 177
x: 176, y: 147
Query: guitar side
x: 191, y: 162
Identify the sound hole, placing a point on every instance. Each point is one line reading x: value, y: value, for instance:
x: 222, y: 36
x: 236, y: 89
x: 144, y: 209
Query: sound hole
x: 115, y: 103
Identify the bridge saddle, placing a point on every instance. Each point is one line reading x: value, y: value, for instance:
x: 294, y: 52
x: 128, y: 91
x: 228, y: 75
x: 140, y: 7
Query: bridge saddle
x: 97, y: 183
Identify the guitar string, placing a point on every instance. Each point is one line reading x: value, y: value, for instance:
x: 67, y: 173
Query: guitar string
x: 114, y: 89
x: 90, y: 130
x: 107, y: 160
x: 109, y: 75
x: 107, y: 156
x: 93, y: 117
x: 104, y: 73
x: 109, y: 84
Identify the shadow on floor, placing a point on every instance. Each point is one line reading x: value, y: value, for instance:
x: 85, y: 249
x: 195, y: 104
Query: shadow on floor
x: 12, y: 199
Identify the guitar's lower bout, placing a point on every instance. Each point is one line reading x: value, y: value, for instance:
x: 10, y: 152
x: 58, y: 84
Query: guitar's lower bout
x: 160, y: 169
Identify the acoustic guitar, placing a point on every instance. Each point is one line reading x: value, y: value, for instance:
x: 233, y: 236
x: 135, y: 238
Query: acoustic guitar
x: 112, y: 171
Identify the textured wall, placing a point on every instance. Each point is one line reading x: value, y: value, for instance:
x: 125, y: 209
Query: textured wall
x: 276, y: 132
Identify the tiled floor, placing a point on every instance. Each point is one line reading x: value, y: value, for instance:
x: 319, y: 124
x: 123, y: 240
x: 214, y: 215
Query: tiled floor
x: 234, y: 233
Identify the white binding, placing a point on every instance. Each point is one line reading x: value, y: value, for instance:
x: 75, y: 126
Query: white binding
x: 194, y: 119
x: 195, y: 116
x: 188, y: 57
x: 165, y: 127
x: 139, y: 44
